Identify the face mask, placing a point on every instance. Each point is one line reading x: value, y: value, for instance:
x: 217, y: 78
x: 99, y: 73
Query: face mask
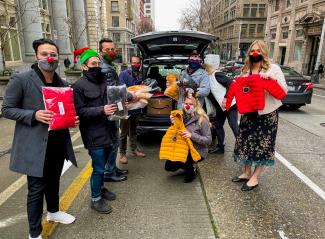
x: 109, y: 56
x: 194, y: 65
x: 255, y: 57
x: 48, y: 65
x: 95, y: 71
x: 136, y: 68
x: 188, y: 108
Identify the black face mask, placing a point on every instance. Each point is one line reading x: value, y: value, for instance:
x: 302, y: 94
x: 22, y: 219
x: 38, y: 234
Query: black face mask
x: 256, y: 59
x: 95, y: 73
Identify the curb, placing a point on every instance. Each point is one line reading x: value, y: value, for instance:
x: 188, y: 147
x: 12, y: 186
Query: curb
x: 319, y: 86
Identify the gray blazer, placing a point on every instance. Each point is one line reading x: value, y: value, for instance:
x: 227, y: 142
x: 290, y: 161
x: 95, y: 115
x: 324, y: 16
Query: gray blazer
x: 22, y: 98
x: 201, y: 134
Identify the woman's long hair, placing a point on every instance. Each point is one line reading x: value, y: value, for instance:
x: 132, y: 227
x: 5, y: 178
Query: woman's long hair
x: 198, y: 108
x: 208, y: 68
x: 265, y: 65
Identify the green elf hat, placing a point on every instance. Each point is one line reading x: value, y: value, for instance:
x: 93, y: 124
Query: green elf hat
x: 88, y: 54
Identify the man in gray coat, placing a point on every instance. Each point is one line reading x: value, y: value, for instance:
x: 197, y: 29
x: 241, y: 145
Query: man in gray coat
x: 37, y: 152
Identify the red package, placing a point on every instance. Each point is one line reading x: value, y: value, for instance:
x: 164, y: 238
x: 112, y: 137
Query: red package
x: 60, y: 101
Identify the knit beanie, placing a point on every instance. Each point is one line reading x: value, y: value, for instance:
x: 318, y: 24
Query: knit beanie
x: 88, y: 54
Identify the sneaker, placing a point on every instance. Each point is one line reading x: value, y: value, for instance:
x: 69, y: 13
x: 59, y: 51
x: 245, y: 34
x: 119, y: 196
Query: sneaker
x: 138, y: 153
x: 108, y: 195
x: 101, y: 206
x: 61, y: 217
x: 39, y: 237
x: 123, y: 159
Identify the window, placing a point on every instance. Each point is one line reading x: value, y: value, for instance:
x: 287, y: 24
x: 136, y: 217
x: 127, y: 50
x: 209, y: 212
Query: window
x: 46, y: 30
x: 148, y: 11
x: 300, y: 33
x: 260, y: 30
x: 225, y: 17
x: 232, y: 1
x: 252, y: 30
x: 244, y: 28
x: 114, y: 6
x: 277, y: 5
x: 297, y: 51
x: 288, y: 3
x: 253, y: 10
x: 261, y: 10
x: 271, y: 49
x: 246, y: 10
x: 226, y: 3
x: 302, y: 1
x: 115, y: 21
x: 116, y: 37
x: 11, y: 44
x: 148, y: 6
x: 232, y: 12
x: 147, y: 1
x: 285, y: 35
x: 43, y: 4
x: 231, y: 31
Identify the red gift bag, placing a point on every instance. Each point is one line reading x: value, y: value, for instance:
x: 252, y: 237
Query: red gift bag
x: 60, y: 101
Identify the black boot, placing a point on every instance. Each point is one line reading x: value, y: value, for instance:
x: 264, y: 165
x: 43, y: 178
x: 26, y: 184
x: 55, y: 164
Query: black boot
x: 101, y: 206
x: 219, y: 149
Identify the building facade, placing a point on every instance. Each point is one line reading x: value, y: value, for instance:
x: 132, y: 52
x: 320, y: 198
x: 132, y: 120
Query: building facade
x: 149, y: 10
x: 293, y: 33
x: 123, y: 16
x: 236, y: 24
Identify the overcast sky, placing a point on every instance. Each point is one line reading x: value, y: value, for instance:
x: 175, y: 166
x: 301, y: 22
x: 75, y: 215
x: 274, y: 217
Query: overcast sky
x: 168, y: 12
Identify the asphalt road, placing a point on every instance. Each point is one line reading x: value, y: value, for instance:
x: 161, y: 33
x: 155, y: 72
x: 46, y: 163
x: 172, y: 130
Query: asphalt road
x: 284, y: 206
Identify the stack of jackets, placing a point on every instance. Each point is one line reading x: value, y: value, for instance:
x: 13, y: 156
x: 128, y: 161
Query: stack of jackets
x: 249, y: 92
x: 173, y: 146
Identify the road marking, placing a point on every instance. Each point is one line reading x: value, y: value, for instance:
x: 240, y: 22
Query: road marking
x: 301, y: 176
x: 20, y: 182
x: 13, y: 220
x: 68, y: 197
x: 281, y: 233
x: 319, y: 95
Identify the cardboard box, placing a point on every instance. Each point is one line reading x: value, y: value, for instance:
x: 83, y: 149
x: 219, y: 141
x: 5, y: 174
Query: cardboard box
x: 159, y: 106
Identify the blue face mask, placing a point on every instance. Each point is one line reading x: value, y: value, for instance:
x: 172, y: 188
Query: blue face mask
x: 194, y: 65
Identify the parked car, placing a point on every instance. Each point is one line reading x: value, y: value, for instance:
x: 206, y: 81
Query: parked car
x: 169, y: 51
x: 300, y: 89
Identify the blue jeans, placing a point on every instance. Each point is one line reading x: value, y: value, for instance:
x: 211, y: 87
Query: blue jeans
x: 99, y: 158
x: 110, y: 167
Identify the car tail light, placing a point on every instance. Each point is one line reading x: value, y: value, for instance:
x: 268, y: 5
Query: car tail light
x: 308, y: 85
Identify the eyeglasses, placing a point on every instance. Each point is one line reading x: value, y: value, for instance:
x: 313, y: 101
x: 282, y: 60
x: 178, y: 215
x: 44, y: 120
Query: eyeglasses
x: 48, y: 54
x: 94, y: 64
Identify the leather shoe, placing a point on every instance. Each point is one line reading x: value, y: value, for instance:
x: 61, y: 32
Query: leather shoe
x: 217, y: 150
x: 121, y: 172
x: 101, y: 206
x: 108, y: 195
x: 245, y: 187
x: 115, y: 178
x: 239, y: 180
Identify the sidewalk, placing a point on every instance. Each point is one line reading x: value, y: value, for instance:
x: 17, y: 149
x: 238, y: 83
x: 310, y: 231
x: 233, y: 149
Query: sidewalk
x: 152, y: 203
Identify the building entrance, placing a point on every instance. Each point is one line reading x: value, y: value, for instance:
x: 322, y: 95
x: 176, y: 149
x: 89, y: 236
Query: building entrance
x: 313, y: 54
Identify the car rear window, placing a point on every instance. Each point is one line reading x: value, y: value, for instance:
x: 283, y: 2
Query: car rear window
x: 289, y: 72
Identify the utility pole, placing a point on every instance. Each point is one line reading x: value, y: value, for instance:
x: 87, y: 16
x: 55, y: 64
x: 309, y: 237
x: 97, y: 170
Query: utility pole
x: 239, y: 36
x: 315, y: 76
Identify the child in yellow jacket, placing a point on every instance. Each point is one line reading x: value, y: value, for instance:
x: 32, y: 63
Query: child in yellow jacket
x: 197, y: 129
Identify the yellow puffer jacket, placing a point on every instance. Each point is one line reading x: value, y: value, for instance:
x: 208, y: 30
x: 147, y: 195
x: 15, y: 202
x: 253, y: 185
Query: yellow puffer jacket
x: 172, y: 90
x: 173, y: 146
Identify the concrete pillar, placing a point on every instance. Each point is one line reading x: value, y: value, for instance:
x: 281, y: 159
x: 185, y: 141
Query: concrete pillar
x: 59, y: 11
x: 79, y: 15
x: 292, y: 34
x: 31, y: 24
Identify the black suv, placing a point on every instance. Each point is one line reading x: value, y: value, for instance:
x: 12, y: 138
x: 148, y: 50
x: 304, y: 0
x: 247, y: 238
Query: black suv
x: 165, y: 53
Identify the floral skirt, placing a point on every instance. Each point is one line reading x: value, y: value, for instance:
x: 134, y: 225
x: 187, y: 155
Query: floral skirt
x: 255, y: 144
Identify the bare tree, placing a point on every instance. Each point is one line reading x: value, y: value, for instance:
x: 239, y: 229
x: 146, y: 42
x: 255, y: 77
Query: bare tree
x: 145, y: 25
x: 190, y: 16
x: 12, y: 18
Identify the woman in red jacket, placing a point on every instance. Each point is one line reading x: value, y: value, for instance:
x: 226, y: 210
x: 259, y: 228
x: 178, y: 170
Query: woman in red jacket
x: 255, y: 145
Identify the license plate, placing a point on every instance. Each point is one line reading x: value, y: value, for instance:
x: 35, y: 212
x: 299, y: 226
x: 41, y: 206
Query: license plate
x: 291, y: 88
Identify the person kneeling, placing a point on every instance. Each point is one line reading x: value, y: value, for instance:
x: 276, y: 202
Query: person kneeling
x: 194, y: 128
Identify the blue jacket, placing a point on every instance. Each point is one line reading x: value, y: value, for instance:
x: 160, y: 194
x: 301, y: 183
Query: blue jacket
x: 202, y: 79
x: 126, y: 77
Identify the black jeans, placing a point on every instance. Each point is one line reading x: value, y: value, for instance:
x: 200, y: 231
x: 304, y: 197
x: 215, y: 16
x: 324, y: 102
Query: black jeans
x: 48, y: 185
x: 232, y: 116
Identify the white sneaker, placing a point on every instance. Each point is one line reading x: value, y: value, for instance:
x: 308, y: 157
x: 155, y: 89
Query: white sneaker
x: 39, y: 237
x: 61, y: 217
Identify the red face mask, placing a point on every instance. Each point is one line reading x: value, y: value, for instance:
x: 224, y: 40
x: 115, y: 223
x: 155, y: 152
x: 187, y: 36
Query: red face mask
x: 111, y: 53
